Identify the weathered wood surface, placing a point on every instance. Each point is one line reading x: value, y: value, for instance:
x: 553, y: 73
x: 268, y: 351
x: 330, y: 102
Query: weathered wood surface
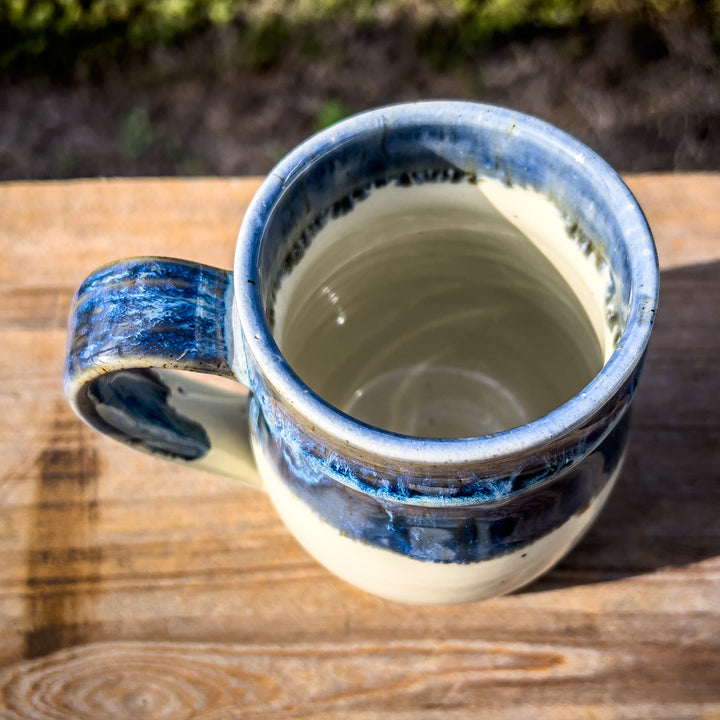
x: 133, y: 588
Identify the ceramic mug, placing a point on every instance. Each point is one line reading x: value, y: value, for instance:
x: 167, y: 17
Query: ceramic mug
x: 394, y: 238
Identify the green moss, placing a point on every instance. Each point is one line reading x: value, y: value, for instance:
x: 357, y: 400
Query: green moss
x: 48, y: 35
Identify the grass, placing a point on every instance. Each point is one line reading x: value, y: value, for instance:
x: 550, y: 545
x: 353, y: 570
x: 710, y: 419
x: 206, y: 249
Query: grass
x: 137, y: 132
x: 331, y: 112
x: 57, y: 36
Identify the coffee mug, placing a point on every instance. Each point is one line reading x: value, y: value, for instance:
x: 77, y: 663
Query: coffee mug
x: 439, y: 312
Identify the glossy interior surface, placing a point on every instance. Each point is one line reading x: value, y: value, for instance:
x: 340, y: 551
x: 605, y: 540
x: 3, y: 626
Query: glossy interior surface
x: 430, y: 310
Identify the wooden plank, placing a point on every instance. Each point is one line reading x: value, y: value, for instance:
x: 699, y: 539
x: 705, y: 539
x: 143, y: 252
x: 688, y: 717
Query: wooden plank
x: 384, y: 678
x: 130, y: 587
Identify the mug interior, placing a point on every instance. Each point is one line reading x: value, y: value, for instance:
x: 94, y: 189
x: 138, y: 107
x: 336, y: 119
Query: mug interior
x: 334, y: 174
x: 429, y: 310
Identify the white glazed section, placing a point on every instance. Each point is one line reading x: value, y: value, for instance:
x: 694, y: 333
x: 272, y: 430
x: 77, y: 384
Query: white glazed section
x: 399, y: 578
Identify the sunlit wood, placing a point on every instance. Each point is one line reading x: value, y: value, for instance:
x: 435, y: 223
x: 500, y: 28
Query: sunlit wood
x: 134, y: 588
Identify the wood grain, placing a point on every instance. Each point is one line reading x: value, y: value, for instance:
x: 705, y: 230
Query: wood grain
x: 133, y: 588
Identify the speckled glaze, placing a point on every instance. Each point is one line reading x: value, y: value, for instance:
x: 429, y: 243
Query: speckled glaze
x: 411, y: 519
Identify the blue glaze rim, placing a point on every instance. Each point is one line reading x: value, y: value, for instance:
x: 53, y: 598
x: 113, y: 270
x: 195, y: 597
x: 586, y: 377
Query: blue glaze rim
x: 625, y: 361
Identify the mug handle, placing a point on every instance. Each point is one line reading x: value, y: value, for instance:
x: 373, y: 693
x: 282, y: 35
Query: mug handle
x: 133, y: 325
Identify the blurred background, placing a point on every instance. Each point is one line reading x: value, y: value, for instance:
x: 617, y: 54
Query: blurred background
x: 226, y: 87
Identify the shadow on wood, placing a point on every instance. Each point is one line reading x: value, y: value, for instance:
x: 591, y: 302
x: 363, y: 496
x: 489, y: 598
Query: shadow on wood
x: 664, y: 509
x: 63, y: 559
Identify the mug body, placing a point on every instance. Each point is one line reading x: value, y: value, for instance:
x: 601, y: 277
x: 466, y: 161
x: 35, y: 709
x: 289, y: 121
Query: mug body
x: 419, y: 517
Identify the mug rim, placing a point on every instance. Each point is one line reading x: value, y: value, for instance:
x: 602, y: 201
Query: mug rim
x: 333, y: 422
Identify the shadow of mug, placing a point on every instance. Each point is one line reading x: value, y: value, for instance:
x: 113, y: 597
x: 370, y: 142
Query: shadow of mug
x: 664, y: 509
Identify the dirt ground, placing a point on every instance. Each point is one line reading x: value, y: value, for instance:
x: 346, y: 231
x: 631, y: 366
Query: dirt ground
x: 645, y: 96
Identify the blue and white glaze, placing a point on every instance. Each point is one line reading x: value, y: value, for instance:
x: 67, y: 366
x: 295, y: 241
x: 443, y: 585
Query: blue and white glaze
x: 132, y: 322
x: 358, y: 497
